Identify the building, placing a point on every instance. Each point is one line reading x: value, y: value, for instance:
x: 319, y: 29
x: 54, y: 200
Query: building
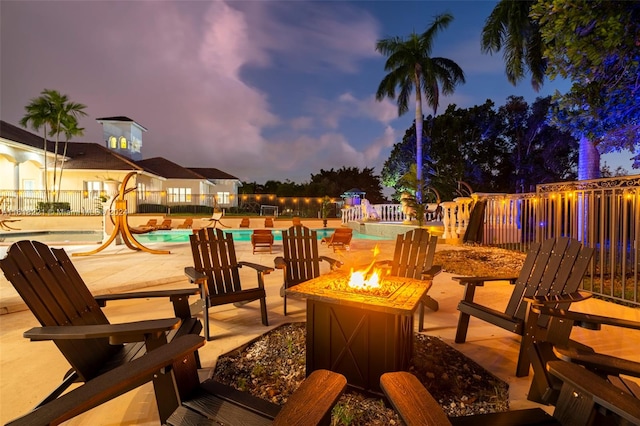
x: 88, y: 173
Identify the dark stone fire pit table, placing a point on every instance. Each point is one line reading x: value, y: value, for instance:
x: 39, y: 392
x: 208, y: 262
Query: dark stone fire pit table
x: 356, y: 334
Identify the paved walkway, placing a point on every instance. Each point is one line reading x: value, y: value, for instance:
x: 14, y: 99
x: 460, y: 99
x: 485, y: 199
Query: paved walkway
x: 29, y: 370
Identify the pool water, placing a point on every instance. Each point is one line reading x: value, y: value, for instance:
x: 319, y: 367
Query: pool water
x: 172, y: 236
x: 53, y: 236
x: 239, y: 235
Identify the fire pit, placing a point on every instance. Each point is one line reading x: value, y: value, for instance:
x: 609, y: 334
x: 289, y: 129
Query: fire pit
x: 360, y: 333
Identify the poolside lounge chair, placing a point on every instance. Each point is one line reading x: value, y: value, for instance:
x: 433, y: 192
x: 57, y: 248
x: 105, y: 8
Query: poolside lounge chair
x: 187, y: 224
x: 340, y: 239
x: 5, y: 219
x: 296, y: 221
x: 215, y: 219
x: 183, y: 400
x: 244, y: 223
x: 262, y: 238
x: 216, y: 272
x: 165, y: 225
x: 72, y: 318
x: 551, y: 268
x: 301, y: 259
x: 268, y: 222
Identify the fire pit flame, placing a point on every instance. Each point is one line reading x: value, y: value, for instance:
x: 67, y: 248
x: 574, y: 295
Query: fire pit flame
x: 360, y: 280
x: 366, y: 279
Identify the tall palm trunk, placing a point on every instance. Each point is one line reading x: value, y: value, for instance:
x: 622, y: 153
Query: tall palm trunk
x: 418, y: 140
x: 46, y: 159
x: 588, y: 160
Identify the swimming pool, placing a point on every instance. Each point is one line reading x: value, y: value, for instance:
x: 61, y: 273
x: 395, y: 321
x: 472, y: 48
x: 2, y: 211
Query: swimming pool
x: 52, y: 236
x: 169, y: 236
x: 239, y: 235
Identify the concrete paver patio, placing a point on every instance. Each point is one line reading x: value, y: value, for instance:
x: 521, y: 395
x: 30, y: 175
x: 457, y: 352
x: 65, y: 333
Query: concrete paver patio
x: 29, y: 370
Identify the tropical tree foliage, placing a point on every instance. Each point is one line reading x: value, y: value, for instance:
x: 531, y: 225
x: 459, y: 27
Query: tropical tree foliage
x: 54, y: 112
x: 596, y: 45
x: 411, y: 68
x: 510, y: 29
x: 332, y: 183
x: 508, y: 149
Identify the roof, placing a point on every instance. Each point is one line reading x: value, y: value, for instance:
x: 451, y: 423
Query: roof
x: 211, y: 173
x: 123, y: 119
x: 87, y: 155
x: 17, y: 134
x: 355, y: 191
x: 168, y: 169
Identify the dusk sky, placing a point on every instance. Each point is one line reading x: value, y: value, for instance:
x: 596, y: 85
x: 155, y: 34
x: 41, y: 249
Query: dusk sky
x: 259, y: 89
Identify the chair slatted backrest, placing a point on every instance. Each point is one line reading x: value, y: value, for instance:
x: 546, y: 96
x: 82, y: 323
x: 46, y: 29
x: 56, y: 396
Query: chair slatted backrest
x: 52, y: 288
x: 414, y: 253
x: 301, y: 255
x: 553, y: 268
x: 214, y: 254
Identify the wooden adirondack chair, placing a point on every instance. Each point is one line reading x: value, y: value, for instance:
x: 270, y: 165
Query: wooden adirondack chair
x: 584, y: 393
x: 186, y: 401
x: 216, y: 273
x: 244, y: 223
x: 547, y: 390
x: 262, y: 238
x: 268, y: 222
x: 71, y: 316
x: 554, y: 267
x: 413, y: 258
x: 301, y: 259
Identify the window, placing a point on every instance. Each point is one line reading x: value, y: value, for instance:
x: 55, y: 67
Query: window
x: 179, y: 195
x: 123, y: 142
x: 113, y: 142
x: 28, y: 184
x: 142, y: 189
x: 223, y: 198
x: 91, y: 189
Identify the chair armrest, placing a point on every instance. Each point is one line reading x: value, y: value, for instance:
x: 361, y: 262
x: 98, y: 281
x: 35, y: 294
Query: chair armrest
x: 551, y: 301
x: 596, y: 361
x: 117, y: 333
x: 104, y: 298
x: 113, y: 383
x: 604, y: 394
x: 279, y: 262
x: 260, y: 268
x: 312, y: 402
x: 411, y: 400
x: 479, y: 281
x: 333, y: 263
x: 588, y: 321
x: 194, y: 276
x: 431, y: 272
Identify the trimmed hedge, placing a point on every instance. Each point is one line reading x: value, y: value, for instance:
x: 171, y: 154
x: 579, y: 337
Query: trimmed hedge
x: 54, y: 207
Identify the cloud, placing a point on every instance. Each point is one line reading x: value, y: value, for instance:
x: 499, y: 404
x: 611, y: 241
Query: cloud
x: 312, y: 36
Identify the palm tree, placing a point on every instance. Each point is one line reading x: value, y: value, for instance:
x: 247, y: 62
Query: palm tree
x: 63, y: 120
x: 411, y: 68
x: 38, y: 113
x: 54, y: 111
x: 510, y: 27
